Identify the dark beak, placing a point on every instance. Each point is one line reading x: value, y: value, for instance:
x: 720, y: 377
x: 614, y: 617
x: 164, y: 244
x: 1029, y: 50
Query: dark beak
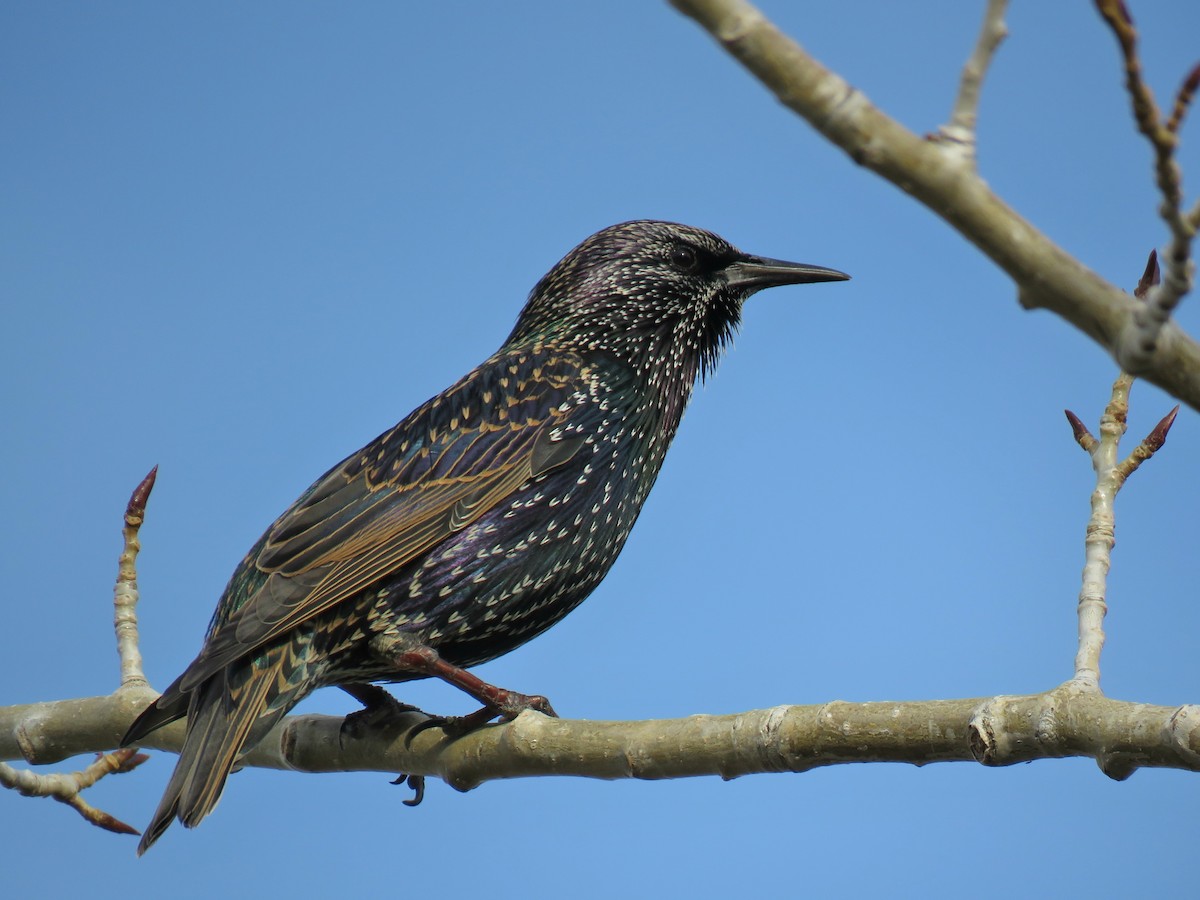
x: 757, y: 272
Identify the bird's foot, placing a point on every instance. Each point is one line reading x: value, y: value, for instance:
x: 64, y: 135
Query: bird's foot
x: 510, y: 704
x: 507, y: 706
x: 452, y: 727
x: 380, y: 710
x: 406, y: 654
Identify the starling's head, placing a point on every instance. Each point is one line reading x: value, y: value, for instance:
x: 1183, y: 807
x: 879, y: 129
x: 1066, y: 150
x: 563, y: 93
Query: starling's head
x: 653, y: 293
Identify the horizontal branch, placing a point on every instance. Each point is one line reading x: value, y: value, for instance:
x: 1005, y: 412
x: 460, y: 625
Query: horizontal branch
x: 1046, y: 276
x: 1121, y: 736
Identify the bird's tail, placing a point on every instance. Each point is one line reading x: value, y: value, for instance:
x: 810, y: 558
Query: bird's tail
x: 227, y: 715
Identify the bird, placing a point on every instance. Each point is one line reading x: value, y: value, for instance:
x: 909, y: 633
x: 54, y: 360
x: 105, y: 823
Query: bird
x: 483, y: 517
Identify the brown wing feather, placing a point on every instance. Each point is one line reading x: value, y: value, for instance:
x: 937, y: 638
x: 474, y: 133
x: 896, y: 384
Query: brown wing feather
x: 355, y: 526
x: 386, y: 550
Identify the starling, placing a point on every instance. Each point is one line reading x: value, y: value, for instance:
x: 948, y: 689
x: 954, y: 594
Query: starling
x: 483, y: 517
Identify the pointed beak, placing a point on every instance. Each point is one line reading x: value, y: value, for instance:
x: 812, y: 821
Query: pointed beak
x: 754, y: 273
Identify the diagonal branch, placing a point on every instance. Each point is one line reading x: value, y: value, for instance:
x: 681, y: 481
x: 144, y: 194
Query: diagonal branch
x: 1046, y: 276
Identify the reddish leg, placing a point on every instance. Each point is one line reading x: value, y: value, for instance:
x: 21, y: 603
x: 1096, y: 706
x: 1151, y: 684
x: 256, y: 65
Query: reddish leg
x: 406, y: 653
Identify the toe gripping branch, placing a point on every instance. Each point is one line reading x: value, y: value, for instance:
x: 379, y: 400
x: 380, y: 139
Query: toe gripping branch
x: 406, y: 654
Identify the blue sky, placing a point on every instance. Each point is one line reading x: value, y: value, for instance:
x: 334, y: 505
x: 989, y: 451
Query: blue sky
x: 239, y: 241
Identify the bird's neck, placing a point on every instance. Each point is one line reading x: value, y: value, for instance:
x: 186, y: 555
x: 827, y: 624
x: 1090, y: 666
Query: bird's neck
x: 657, y: 375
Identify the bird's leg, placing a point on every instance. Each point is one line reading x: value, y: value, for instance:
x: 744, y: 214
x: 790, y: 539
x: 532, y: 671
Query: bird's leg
x: 379, y: 708
x: 406, y: 653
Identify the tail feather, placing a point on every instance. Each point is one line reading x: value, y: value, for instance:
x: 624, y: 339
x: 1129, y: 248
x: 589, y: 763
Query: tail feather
x: 228, y: 713
x: 219, y: 747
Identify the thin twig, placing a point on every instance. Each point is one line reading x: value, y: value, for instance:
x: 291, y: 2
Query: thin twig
x: 1139, y: 339
x: 68, y: 787
x: 1101, y: 529
x: 1110, y: 477
x: 1183, y: 99
x: 1093, y: 605
x: 125, y: 593
x: 959, y: 133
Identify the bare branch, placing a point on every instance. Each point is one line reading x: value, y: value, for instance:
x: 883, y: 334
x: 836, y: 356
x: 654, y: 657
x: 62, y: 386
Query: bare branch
x: 960, y: 132
x: 1045, y: 275
x: 1139, y: 339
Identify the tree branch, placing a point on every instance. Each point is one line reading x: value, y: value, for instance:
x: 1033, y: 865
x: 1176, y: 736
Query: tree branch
x: 996, y: 731
x: 1045, y: 275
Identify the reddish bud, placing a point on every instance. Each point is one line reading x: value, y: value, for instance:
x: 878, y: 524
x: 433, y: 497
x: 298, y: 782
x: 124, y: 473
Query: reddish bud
x: 1150, y: 276
x: 137, y: 501
x: 1158, y: 436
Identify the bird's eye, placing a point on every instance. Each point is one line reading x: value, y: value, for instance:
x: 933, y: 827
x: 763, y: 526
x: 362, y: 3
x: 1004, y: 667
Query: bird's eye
x: 685, y: 258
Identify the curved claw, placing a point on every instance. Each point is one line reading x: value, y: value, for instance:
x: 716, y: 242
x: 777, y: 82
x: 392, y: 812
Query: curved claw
x: 508, y: 708
x: 417, y: 783
x: 431, y: 722
x: 453, y: 727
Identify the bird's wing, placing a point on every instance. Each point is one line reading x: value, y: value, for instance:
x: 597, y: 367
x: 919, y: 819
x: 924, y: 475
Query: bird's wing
x: 434, y: 474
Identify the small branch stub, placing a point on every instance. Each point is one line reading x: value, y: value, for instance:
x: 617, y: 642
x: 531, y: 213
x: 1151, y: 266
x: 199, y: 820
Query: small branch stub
x: 959, y: 132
